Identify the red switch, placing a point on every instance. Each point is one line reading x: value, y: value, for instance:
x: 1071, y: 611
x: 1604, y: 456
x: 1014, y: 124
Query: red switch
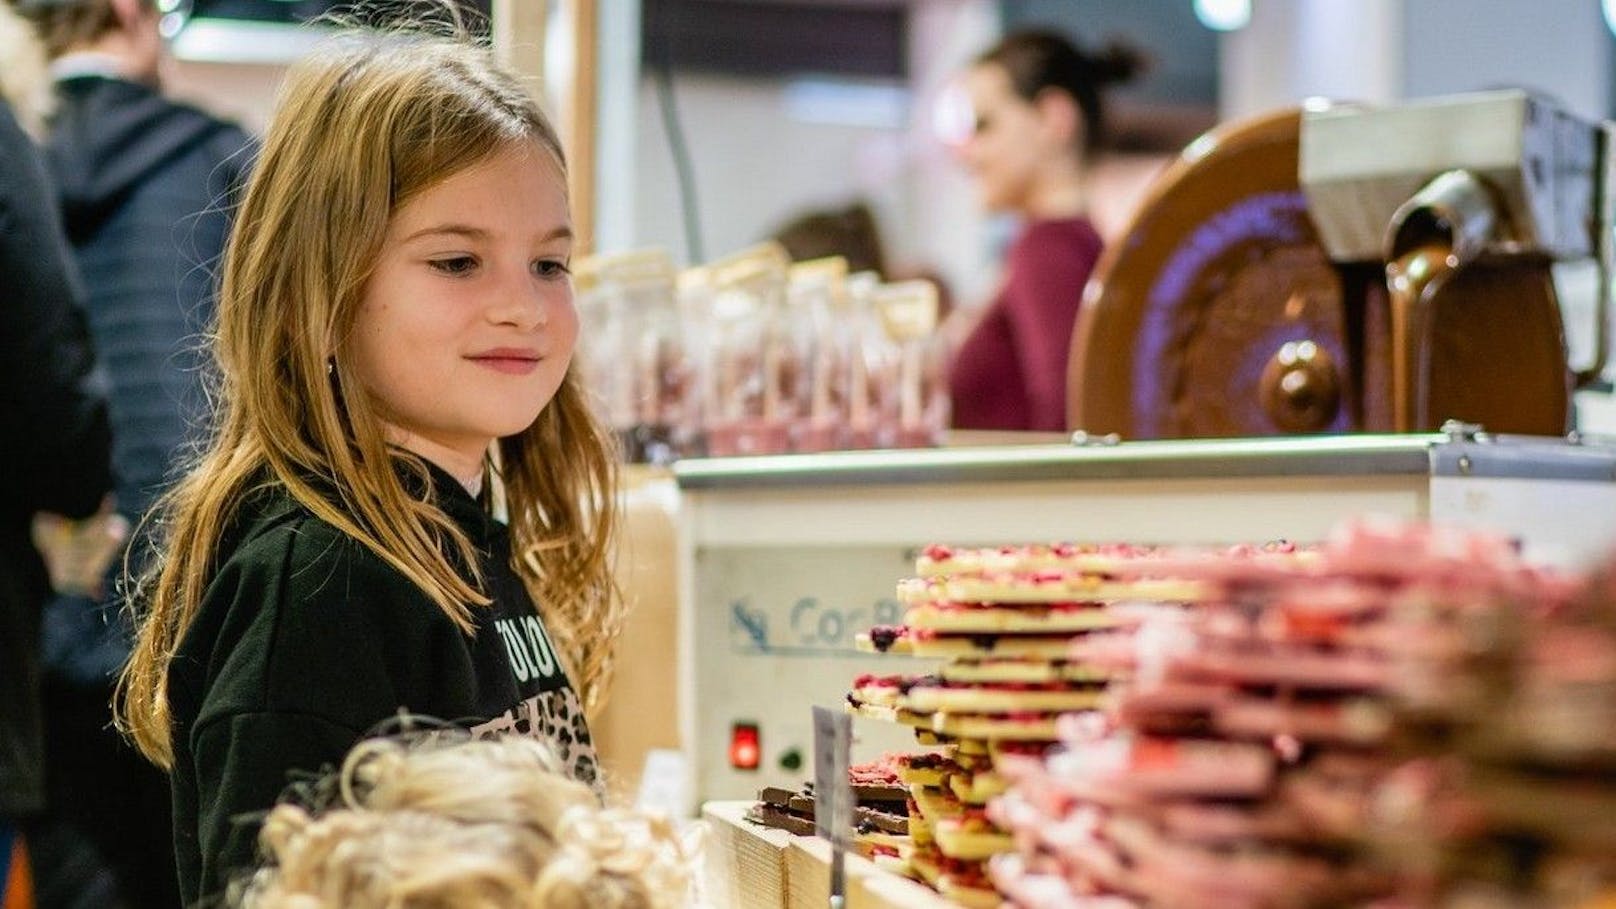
x: 744, y: 752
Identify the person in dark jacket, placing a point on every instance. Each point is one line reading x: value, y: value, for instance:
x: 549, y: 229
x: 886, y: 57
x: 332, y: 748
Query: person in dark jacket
x: 144, y: 185
x: 55, y: 457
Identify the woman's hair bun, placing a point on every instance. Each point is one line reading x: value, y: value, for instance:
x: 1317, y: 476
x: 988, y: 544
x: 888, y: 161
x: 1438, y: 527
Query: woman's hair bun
x: 1116, y: 63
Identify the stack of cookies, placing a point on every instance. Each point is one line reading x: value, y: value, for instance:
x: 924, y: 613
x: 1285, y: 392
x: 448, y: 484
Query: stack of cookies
x: 1505, y: 794
x: 1243, y: 760
x: 1022, y: 633
x: 951, y: 836
x: 1003, y: 622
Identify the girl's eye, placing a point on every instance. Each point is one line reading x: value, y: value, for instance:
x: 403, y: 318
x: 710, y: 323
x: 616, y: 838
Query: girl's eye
x: 453, y: 265
x: 553, y: 269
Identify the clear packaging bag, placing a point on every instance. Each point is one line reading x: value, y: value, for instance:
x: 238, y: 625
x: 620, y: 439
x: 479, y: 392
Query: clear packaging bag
x: 872, y: 368
x: 601, y: 338
x: 818, y: 320
x: 695, y: 302
x: 919, y: 403
x: 644, y: 369
x: 752, y: 387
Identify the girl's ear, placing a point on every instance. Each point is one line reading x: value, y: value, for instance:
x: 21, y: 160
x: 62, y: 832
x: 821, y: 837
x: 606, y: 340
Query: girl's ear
x: 1061, y: 120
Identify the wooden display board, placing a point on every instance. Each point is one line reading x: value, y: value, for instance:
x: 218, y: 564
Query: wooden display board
x: 753, y: 867
x: 744, y: 864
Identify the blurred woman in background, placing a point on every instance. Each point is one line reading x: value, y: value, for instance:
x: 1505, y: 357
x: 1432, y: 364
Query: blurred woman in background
x: 1038, y: 119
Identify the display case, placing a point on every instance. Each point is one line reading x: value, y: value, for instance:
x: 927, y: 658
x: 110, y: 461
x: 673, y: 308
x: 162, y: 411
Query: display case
x: 783, y: 560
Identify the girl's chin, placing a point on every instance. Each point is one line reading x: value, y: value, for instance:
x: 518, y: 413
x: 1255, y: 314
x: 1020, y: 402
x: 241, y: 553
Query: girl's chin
x: 507, y: 430
x: 502, y: 427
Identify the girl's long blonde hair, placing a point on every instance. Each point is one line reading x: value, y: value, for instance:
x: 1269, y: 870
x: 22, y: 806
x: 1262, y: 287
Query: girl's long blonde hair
x: 361, y: 127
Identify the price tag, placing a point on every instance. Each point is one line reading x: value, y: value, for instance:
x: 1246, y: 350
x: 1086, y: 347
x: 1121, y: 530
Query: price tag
x: 833, y: 794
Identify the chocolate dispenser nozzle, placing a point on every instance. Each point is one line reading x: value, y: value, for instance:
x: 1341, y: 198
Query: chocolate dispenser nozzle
x: 1466, y: 201
x: 1439, y: 230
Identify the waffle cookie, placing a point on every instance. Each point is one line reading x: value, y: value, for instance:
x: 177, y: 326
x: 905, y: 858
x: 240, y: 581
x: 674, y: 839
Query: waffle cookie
x: 1028, y: 672
x: 983, y: 618
x: 930, y: 695
x: 1048, y: 587
x: 933, y: 645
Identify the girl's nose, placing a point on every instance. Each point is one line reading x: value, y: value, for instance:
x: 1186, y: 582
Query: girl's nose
x: 522, y: 303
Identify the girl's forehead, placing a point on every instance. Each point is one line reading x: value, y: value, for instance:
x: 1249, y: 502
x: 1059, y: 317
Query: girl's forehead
x: 527, y: 160
x: 519, y: 185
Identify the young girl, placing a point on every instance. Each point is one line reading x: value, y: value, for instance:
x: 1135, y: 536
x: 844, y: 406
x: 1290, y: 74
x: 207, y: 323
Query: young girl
x: 395, y: 331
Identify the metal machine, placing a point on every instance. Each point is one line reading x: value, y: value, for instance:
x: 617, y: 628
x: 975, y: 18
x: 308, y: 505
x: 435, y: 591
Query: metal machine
x: 1348, y: 268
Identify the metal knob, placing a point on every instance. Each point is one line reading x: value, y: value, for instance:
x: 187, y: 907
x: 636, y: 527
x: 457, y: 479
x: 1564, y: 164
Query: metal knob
x: 1460, y: 431
x: 1300, y: 387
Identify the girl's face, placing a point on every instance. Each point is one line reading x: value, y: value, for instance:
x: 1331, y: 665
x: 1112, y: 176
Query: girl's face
x: 1011, y: 139
x: 466, y: 326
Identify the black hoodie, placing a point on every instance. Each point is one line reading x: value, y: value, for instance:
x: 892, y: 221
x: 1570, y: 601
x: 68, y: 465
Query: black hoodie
x: 305, y: 640
x: 145, y: 185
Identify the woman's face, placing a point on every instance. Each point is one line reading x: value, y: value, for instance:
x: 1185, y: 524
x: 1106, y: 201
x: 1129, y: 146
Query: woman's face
x: 467, y: 325
x: 1012, y: 139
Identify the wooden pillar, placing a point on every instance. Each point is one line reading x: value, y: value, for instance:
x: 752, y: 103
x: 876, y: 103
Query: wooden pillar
x: 521, y: 30
x: 581, y: 121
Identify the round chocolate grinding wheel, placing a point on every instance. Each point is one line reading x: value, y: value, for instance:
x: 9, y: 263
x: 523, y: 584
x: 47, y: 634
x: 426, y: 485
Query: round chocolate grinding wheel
x: 1186, y: 329
x: 1217, y: 313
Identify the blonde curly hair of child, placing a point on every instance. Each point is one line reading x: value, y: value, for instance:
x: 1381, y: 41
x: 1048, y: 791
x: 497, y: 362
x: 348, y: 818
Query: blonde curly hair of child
x: 447, y: 822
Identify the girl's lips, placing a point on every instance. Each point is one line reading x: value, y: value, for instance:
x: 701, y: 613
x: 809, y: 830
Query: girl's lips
x: 510, y: 364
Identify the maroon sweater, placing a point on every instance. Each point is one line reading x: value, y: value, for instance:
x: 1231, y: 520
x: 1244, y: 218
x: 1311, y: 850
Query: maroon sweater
x: 1011, y: 372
